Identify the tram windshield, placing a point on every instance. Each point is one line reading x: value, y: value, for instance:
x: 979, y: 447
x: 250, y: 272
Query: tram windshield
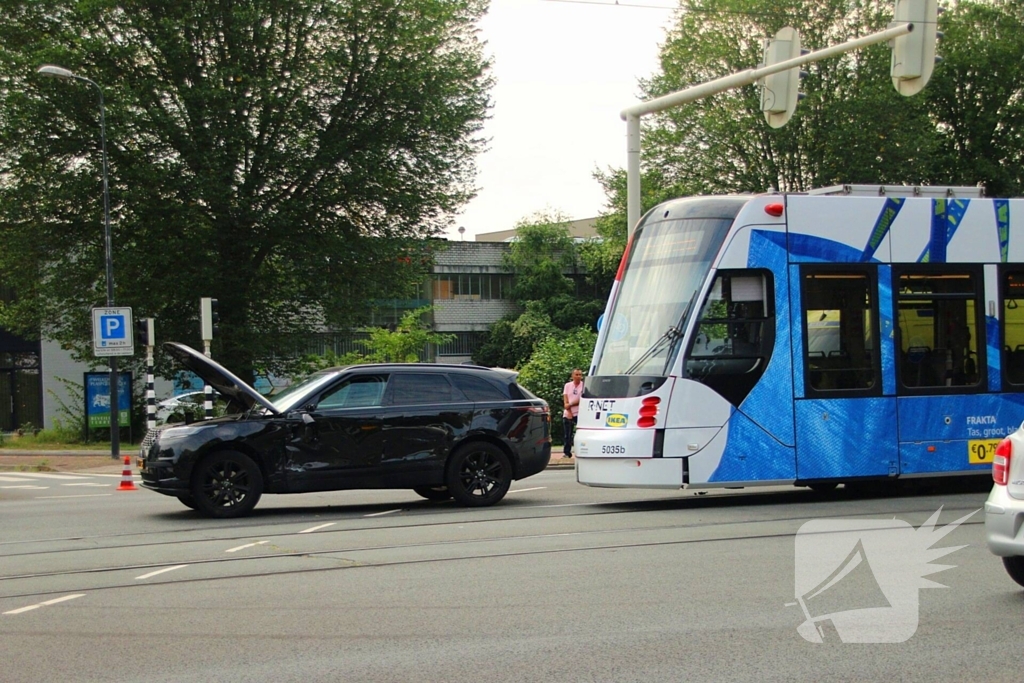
x: 667, y: 265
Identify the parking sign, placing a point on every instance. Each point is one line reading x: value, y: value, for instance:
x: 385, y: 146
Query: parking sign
x: 112, y: 332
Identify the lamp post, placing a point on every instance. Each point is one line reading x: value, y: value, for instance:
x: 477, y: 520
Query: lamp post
x: 115, y: 412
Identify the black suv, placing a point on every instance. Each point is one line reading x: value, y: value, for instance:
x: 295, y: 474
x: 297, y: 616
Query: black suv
x: 444, y: 431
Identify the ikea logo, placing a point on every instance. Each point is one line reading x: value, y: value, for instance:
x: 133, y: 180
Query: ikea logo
x: 616, y: 420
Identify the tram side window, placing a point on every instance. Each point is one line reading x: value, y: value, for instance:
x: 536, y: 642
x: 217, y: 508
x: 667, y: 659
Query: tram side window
x: 1013, y: 327
x: 735, y: 335
x: 938, y: 326
x: 839, y: 330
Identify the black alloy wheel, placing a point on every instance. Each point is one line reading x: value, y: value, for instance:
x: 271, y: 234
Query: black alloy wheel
x: 478, y: 474
x: 433, y: 492
x: 227, y: 484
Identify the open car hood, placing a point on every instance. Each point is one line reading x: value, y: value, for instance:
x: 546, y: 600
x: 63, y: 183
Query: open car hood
x: 218, y: 377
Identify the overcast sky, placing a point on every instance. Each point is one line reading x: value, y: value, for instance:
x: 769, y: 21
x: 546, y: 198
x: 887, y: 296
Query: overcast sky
x: 564, y: 71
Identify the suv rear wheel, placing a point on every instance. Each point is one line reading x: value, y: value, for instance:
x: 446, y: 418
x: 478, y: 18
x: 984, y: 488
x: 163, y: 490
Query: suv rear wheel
x: 478, y: 474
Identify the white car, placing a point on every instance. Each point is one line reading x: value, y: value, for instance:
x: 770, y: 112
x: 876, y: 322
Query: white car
x: 1004, y: 509
x: 177, y: 408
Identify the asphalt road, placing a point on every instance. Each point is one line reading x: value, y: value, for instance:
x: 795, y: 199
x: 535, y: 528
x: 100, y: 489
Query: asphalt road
x: 557, y: 583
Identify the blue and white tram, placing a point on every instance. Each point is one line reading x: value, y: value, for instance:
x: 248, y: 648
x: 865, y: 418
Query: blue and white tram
x: 843, y: 334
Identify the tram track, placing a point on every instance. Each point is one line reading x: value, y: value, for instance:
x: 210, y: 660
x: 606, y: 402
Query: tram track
x: 398, y: 554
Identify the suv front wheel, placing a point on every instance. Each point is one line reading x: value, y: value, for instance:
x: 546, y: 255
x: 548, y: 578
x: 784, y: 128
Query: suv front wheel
x: 478, y: 474
x: 227, y: 484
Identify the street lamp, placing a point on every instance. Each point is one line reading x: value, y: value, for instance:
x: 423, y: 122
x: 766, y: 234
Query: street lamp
x: 115, y: 412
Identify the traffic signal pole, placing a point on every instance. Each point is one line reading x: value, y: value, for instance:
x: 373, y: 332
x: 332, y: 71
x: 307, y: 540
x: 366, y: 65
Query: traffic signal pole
x: 631, y: 115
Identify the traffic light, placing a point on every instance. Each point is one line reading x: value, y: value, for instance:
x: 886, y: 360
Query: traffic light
x: 210, y: 318
x: 780, y: 91
x: 144, y: 332
x: 913, y: 54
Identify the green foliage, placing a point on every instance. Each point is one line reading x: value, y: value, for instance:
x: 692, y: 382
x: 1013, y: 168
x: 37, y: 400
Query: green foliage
x: 405, y: 344
x: 285, y: 157
x: 512, y: 341
x: 71, y: 423
x: 975, y: 97
x: 541, y: 253
x: 541, y: 256
x: 551, y: 365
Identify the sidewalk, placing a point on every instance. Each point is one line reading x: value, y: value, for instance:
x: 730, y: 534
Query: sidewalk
x: 99, y: 462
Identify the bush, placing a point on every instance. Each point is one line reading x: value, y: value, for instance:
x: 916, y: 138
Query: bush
x: 551, y: 365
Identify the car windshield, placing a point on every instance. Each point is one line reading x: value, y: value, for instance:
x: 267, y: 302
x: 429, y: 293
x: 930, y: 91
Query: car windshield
x: 291, y: 396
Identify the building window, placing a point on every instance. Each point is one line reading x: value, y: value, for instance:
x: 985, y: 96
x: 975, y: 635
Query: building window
x: 472, y: 286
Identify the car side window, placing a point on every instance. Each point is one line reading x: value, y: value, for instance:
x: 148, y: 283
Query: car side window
x: 412, y: 388
x: 478, y: 388
x: 361, y: 391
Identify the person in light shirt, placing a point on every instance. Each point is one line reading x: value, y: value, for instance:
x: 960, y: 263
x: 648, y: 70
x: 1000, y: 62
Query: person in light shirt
x: 571, y: 403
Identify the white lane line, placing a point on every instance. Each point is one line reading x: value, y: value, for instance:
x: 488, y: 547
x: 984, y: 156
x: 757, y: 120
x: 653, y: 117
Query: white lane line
x: 160, y: 571
x: 84, y: 495
x: 11, y: 479
x: 535, y: 488
x: 24, y: 486
x: 247, y: 545
x: 86, y: 483
x: 41, y: 604
x: 381, y: 514
x: 317, y: 528
x: 42, y: 475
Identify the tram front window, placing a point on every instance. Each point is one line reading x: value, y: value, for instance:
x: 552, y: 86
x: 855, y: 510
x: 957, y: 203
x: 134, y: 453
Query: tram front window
x: 665, y: 271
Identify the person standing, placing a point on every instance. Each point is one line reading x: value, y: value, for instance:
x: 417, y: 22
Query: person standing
x: 571, y: 403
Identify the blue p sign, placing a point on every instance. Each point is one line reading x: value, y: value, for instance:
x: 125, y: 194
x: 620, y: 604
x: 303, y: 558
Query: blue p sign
x: 112, y: 327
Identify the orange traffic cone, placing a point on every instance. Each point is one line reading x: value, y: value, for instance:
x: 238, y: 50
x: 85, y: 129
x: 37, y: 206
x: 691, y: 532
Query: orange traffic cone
x: 127, y: 484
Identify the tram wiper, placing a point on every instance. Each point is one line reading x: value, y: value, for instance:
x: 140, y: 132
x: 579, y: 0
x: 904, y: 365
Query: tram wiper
x: 671, y: 335
x: 667, y: 340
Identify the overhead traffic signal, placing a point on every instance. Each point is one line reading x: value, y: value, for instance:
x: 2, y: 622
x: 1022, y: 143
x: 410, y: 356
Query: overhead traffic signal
x: 209, y: 318
x: 913, y: 54
x: 780, y: 91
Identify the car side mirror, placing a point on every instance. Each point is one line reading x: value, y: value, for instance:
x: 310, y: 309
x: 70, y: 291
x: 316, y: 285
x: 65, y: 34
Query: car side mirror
x: 307, y: 419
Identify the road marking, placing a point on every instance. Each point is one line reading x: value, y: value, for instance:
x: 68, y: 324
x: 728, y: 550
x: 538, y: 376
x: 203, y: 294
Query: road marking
x: 24, y: 486
x: 160, y: 571
x: 11, y: 479
x: 42, y: 604
x: 381, y: 514
x: 86, y: 483
x: 42, y: 475
x: 317, y: 528
x: 247, y: 545
x: 83, y: 495
x: 535, y: 488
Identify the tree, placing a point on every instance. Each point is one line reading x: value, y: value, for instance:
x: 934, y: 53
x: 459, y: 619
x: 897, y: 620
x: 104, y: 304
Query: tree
x: 541, y: 256
x: 404, y: 344
x: 286, y: 157
x: 551, y: 364
x: 977, y: 97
